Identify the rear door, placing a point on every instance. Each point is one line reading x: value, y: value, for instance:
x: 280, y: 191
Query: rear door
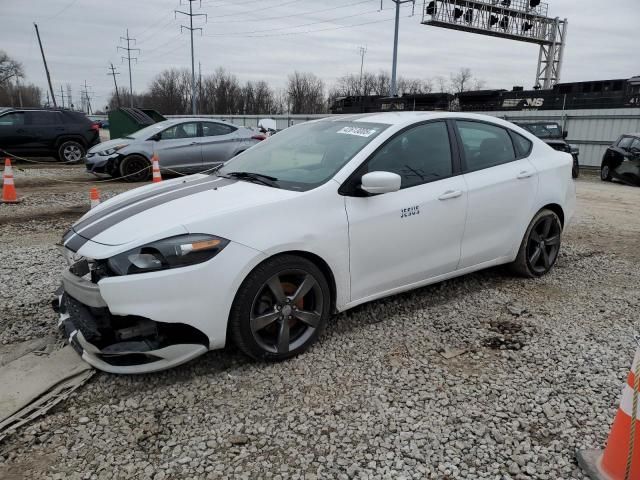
x: 219, y: 142
x: 502, y: 187
x: 43, y: 127
x: 179, y: 147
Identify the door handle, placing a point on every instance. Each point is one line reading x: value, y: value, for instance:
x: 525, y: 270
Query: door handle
x: 524, y: 174
x: 193, y: 143
x: 450, y: 194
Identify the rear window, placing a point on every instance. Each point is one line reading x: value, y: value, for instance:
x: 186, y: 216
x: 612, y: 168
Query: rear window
x: 523, y: 145
x: 43, y: 118
x: 213, y: 129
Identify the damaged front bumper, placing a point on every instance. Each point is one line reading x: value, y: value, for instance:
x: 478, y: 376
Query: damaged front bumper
x: 121, y: 344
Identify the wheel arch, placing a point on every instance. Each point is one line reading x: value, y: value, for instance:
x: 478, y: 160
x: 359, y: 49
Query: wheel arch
x: 555, y: 208
x: 70, y: 137
x: 314, y: 258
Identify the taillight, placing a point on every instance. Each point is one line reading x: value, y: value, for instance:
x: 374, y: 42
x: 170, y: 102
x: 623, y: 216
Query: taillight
x: 259, y: 137
x: 95, y: 126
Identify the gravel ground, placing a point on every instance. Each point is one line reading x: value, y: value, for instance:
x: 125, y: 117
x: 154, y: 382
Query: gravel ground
x: 541, y: 375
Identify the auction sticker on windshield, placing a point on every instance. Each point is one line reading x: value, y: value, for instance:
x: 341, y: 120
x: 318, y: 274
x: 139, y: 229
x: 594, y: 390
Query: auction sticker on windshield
x: 360, y: 132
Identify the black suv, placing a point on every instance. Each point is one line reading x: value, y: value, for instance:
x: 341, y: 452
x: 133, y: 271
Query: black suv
x: 551, y: 133
x: 43, y: 132
x: 622, y: 160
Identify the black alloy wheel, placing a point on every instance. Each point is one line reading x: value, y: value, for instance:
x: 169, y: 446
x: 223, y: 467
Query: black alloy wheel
x: 540, y: 246
x: 280, y: 309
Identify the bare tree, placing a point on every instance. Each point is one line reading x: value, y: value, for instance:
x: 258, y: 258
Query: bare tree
x: 306, y: 93
x: 9, y: 68
x: 464, y: 81
x: 10, y: 94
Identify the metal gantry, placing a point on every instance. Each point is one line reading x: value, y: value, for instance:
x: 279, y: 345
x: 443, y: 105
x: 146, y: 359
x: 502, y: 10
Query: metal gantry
x: 521, y: 20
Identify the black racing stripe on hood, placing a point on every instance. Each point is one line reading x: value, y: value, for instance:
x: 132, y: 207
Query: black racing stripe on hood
x: 80, y: 238
x: 139, y: 198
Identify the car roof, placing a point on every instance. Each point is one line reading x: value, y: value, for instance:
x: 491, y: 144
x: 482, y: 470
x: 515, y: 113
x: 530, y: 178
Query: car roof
x: 200, y: 119
x: 408, y: 118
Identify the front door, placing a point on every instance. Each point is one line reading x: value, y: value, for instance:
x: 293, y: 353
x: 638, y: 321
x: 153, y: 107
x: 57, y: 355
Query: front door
x: 401, y: 238
x: 179, y: 148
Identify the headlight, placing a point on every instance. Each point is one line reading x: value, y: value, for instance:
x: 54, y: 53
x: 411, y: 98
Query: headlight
x: 111, y: 151
x: 169, y: 253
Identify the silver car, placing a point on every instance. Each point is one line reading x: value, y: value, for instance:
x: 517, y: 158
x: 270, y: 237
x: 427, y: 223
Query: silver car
x: 186, y: 145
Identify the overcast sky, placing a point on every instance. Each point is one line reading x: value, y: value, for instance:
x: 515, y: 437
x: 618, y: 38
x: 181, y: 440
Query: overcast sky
x: 267, y: 39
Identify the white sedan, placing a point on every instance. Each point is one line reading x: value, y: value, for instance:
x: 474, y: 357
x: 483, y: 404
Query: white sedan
x: 319, y: 218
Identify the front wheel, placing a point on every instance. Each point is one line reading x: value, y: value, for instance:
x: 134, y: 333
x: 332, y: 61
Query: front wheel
x: 280, y: 309
x: 135, y: 168
x: 575, y: 171
x: 540, y: 246
x: 605, y: 172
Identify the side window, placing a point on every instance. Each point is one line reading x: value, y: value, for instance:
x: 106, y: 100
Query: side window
x: 12, y: 119
x: 211, y: 129
x: 635, y: 144
x: 419, y: 155
x: 485, y: 145
x: 523, y: 145
x: 42, y: 118
x: 625, y: 142
x: 181, y: 130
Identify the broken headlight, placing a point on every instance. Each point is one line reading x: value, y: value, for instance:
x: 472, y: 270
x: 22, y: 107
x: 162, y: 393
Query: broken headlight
x: 172, y: 252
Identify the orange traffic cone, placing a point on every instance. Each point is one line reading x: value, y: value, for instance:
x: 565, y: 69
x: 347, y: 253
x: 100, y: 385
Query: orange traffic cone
x: 156, y: 169
x: 621, y: 457
x: 9, y: 194
x: 94, y: 194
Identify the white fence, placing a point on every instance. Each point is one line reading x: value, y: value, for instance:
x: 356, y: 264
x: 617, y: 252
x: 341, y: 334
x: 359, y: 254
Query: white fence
x: 592, y: 131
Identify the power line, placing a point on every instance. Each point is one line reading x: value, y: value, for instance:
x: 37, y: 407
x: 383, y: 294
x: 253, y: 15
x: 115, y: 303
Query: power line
x: 191, y: 28
x: 240, y: 34
x: 128, y: 49
x: 246, y: 12
x: 294, y: 14
x: 321, y: 29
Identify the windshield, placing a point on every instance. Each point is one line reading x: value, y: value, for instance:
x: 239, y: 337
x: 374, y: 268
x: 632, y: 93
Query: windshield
x: 550, y: 130
x: 149, y: 131
x: 307, y: 155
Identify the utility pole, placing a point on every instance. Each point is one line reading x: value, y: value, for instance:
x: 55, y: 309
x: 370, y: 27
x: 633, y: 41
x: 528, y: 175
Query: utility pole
x: 128, y: 49
x: 114, y: 73
x: 85, y: 96
x: 193, y: 65
x: 46, y: 69
x: 363, y: 51
x: 199, y: 87
x: 61, y: 96
x: 394, y: 85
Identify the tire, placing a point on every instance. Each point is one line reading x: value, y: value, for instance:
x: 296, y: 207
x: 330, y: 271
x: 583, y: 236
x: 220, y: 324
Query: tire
x: 540, y: 246
x: 267, y: 322
x: 605, y: 172
x: 575, y: 171
x: 71, y: 151
x: 135, y: 168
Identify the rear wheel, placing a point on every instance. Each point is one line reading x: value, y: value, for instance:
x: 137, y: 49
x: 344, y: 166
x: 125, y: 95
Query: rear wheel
x: 540, y: 246
x: 280, y: 309
x: 71, y: 151
x: 605, y: 172
x: 135, y: 168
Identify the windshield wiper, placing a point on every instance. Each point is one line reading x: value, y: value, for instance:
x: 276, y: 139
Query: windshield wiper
x: 252, y: 177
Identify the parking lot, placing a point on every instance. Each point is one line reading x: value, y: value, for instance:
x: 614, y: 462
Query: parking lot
x: 485, y: 376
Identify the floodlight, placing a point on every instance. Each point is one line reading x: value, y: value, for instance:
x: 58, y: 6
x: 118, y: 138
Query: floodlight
x: 457, y: 13
x: 504, y: 23
x: 468, y: 16
x: 431, y: 8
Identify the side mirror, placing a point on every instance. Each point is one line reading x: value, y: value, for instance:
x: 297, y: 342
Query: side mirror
x: 565, y: 134
x: 381, y: 182
x: 267, y: 124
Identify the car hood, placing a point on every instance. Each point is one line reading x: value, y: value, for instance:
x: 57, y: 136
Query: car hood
x: 110, y: 144
x: 167, y: 209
